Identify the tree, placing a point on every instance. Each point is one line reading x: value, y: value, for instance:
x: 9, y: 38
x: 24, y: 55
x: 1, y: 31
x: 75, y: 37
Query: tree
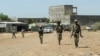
x: 4, y: 17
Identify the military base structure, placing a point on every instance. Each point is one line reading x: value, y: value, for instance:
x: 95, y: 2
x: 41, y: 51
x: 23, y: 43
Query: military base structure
x: 8, y: 26
x: 68, y: 13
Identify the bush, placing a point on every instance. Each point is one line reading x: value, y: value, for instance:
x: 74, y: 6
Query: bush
x: 97, y: 26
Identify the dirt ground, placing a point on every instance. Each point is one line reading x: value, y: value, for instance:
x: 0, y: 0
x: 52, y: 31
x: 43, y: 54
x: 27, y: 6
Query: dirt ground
x: 30, y: 45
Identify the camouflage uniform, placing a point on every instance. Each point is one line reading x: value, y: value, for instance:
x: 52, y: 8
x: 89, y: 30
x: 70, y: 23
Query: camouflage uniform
x: 41, y: 34
x: 13, y: 33
x: 22, y: 31
x: 59, y: 30
x: 76, y: 30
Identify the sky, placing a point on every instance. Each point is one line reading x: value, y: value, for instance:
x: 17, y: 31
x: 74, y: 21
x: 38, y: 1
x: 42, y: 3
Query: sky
x: 40, y: 8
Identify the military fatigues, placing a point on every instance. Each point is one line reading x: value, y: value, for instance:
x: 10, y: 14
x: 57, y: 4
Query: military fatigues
x: 13, y: 33
x: 22, y: 31
x: 76, y: 31
x: 41, y: 35
x: 59, y: 30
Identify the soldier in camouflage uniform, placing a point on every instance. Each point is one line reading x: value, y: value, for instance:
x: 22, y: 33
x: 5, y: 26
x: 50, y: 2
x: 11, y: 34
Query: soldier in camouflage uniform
x: 41, y: 34
x: 59, y: 30
x: 76, y: 31
x: 22, y: 31
x: 13, y: 33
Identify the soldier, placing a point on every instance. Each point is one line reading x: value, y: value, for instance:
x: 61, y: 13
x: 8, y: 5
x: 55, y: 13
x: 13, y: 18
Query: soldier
x: 13, y: 33
x: 76, y: 31
x: 22, y: 31
x: 41, y: 34
x: 59, y: 30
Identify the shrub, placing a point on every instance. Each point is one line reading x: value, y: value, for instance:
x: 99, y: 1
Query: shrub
x: 97, y: 26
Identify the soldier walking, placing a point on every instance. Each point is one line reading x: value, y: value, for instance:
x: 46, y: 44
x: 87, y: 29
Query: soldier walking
x: 13, y: 33
x: 41, y: 34
x: 22, y: 31
x: 59, y: 30
x: 76, y: 31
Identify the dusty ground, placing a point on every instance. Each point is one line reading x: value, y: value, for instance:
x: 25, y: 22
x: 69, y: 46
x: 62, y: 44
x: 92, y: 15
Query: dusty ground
x: 30, y: 45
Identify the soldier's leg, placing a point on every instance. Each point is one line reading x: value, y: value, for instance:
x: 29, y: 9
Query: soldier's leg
x: 41, y: 38
x: 12, y: 35
x: 23, y: 35
x: 76, y: 40
x: 59, y: 37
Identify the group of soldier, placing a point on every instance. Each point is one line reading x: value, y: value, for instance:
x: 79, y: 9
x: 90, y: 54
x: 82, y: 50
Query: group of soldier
x: 14, y: 33
x: 76, y: 32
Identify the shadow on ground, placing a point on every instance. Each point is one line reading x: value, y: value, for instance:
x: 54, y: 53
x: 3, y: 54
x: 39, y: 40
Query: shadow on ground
x: 84, y: 47
x: 67, y: 44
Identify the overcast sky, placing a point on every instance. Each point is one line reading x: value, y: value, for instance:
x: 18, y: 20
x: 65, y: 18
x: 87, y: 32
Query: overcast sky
x: 39, y: 8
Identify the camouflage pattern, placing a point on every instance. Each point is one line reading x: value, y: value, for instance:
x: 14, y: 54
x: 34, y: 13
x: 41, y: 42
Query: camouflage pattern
x: 76, y: 30
x: 22, y: 31
x: 41, y: 34
x: 13, y: 33
x: 59, y: 30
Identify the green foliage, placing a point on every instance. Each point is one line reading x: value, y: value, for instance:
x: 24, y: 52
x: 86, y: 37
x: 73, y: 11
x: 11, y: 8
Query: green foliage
x: 97, y: 26
x: 4, y: 17
x: 47, y: 21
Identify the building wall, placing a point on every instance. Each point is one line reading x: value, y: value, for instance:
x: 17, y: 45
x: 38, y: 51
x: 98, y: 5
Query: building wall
x: 68, y: 9
x: 61, y: 12
x: 85, y: 19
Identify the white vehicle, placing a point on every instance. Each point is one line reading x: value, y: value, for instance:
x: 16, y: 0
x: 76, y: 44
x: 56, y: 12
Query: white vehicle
x: 89, y: 28
x: 48, y: 30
